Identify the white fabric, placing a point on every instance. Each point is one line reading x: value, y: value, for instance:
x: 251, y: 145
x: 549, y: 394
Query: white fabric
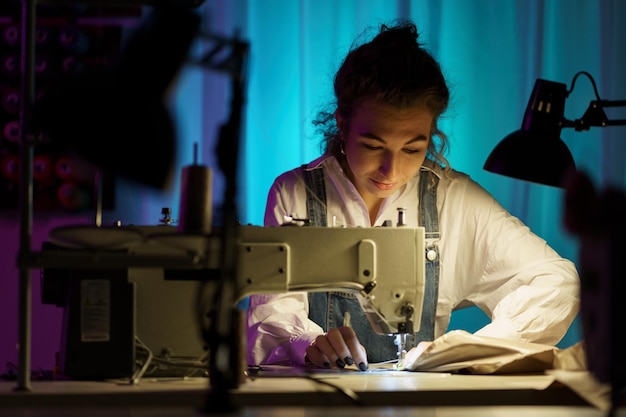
x: 459, y: 351
x: 488, y: 258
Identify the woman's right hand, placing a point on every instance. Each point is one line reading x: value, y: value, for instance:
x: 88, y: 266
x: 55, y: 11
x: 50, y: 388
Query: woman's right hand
x: 337, y: 349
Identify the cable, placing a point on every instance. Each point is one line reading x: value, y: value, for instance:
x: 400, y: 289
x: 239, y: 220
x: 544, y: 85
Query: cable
x: 346, y: 392
x: 593, y: 83
x: 139, y: 372
x: 191, y: 366
x: 254, y: 372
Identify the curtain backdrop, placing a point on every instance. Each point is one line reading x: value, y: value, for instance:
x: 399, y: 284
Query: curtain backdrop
x: 491, y: 51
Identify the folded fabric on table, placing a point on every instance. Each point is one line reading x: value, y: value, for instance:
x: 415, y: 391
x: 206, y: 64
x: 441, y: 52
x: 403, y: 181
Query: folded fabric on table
x: 462, y: 352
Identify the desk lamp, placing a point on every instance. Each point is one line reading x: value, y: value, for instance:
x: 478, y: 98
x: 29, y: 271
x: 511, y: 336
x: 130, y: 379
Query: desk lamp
x: 597, y: 219
x: 541, y: 129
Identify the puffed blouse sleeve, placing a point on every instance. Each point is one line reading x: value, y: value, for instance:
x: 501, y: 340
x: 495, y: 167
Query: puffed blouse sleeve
x: 528, y: 289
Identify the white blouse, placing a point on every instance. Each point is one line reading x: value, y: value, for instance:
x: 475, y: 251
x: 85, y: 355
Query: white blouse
x: 488, y: 258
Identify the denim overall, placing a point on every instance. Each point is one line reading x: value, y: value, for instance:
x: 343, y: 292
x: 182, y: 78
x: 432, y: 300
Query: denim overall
x: 327, y: 309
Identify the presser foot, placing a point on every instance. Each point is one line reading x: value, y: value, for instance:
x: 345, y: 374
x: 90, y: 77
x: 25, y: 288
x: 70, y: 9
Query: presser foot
x: 400, y: 342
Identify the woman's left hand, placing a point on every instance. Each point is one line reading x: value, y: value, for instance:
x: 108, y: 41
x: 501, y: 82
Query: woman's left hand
x: 336, y: 349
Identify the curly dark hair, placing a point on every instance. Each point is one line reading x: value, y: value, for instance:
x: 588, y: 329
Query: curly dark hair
x: 394, y: 69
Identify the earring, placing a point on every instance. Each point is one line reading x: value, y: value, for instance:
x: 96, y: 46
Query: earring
x: 342, y: 151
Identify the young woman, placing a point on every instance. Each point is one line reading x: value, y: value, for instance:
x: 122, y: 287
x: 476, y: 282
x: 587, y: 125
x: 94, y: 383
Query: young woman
x: 384, y: 151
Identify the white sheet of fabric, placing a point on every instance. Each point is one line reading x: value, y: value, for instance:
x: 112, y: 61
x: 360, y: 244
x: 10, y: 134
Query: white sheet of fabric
x: 463, y: 352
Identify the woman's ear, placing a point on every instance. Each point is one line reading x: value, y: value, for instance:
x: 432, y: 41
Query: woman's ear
x: 340, y: 123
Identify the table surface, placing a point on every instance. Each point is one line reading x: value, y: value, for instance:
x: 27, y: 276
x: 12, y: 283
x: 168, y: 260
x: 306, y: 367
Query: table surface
x: 295, y: 392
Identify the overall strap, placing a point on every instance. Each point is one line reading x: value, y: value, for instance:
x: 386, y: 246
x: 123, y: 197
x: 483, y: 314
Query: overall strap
x: 315, y: 196
x: 429, y: 219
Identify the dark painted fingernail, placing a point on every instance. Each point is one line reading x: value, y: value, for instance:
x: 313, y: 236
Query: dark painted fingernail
x: 363, y: 366
x: 348, y: 360
x: 326, y: 364
x: 340, y: 363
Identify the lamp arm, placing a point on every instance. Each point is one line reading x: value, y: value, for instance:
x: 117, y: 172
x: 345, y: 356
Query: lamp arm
x: 614, y: 103
x: 621, y: 122
x: 593, y: 83
x: 595, y: 116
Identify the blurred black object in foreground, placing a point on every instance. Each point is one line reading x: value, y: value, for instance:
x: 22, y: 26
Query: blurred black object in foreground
x: 597, y: 219
x: 118, y: 119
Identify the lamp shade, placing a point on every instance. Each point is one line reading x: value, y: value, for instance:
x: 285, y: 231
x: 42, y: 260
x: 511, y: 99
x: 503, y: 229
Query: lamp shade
x: 536, y: 152
x: 532, y: 157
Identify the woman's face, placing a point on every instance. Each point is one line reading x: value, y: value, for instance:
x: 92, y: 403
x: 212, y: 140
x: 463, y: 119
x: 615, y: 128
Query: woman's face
x: 384, y: 147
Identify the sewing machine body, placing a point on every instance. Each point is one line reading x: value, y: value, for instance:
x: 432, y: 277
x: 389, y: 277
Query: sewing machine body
x: 384, y: 266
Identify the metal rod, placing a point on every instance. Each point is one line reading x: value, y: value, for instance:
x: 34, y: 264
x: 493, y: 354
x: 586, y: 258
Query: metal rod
x: 98, y: 196
x: 611, y: 103
x: 26, y: 188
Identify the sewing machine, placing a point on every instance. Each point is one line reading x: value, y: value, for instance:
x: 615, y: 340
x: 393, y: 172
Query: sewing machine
x: 383, y: 266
